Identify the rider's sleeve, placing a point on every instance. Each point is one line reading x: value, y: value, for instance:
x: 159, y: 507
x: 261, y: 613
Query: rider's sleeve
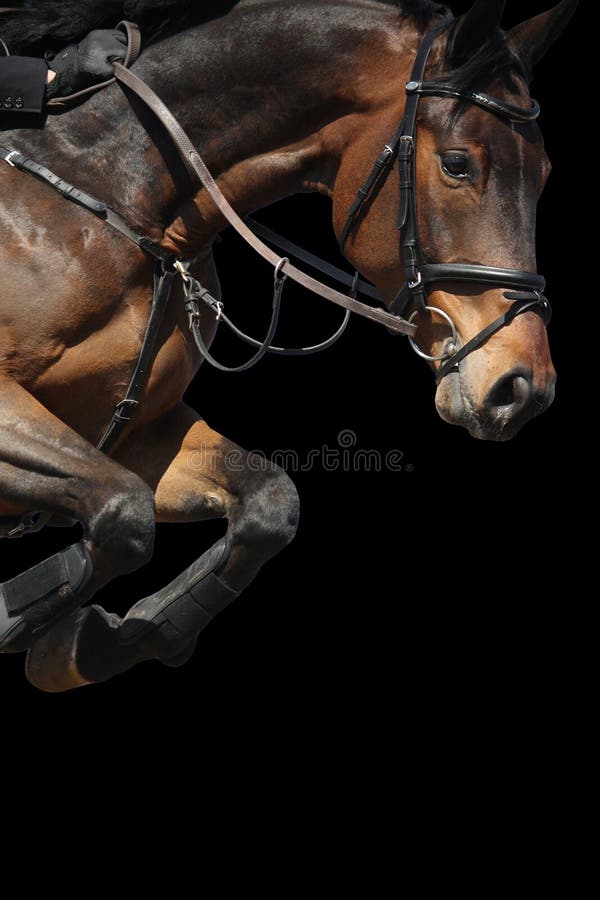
x: 22, y: 84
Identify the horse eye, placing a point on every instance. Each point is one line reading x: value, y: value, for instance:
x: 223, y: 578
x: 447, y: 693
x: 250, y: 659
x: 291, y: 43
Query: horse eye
x: 455, y: 164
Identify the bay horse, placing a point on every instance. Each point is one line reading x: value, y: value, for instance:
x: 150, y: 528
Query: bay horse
x: 281, y: 98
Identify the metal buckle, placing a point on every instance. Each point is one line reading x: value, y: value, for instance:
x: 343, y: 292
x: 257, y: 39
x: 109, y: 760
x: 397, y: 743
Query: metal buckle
x: 219, y: 306
x: 28, y: 523
x: 125, y: 404
x: 182, y: 268
x: 18, y: 531
x: 7, y: 158
x: 413, y: 285
x: 194, y: 293
x: 448, y: 320
x: 191, y: 308
x: 202, y: 294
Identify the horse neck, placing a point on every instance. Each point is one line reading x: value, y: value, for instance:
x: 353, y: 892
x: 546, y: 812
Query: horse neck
x: 277, y: 116
x: 272, y: 115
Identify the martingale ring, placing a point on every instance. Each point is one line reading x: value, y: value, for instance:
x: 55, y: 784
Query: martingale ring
x: 448, y: 320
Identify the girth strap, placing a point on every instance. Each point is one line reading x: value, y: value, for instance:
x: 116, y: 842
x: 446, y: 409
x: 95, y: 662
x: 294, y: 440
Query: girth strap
x: 126, y: 408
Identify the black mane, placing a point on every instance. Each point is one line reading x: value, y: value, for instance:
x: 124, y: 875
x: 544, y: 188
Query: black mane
x: 422, y: 12
x: 494, y: 60
x: 40, y: 25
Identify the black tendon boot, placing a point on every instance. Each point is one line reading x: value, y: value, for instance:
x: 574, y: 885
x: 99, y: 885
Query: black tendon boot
x: 35, y: 599
x: 93, y: 645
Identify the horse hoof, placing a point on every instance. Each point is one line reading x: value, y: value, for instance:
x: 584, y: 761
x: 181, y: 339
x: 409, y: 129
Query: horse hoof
x: 53, y: 662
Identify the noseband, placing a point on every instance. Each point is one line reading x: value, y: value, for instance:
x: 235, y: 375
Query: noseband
x: 525, y: 289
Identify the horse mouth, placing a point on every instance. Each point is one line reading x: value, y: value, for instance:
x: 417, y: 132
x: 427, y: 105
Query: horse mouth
x: 497, y: 422
x: 499, y: 431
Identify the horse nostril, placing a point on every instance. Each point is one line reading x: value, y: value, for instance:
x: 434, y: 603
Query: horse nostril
x: 510, y: 394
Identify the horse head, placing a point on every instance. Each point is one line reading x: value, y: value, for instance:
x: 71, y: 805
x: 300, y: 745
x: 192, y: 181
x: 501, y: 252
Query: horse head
x: 477, y: 179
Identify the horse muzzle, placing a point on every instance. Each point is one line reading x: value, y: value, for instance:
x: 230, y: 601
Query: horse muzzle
x: 513, y: 399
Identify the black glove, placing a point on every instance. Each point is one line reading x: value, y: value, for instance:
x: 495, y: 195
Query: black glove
x: 79, y: 66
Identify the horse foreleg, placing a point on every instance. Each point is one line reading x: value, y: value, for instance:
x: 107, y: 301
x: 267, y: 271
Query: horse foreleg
x: 46, y: 466
x: 196, y: 474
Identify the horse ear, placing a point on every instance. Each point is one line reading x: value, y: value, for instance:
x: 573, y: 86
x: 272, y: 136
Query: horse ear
x: 532, y: 39
x: 474, y: 28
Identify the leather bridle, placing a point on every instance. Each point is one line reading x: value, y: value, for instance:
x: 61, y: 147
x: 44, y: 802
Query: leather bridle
x: 525, y: 288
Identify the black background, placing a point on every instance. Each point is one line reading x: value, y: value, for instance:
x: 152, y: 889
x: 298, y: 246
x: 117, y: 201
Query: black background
x: 416, y: 599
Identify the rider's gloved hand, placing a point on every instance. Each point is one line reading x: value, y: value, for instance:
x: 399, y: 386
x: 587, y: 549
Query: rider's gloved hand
x: 80, y: 65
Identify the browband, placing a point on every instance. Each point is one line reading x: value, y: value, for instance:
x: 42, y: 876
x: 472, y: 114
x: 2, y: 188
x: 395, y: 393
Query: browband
x: 499, y: 107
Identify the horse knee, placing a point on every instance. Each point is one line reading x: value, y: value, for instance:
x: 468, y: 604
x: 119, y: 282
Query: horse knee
x: 270, y: 512
x: 122, y: 528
